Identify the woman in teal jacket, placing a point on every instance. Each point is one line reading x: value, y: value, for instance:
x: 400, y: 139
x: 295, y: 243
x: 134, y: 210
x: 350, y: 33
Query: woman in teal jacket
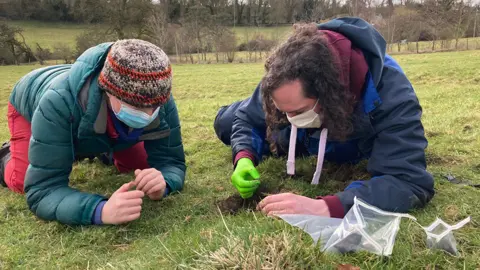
x: 116, y: 98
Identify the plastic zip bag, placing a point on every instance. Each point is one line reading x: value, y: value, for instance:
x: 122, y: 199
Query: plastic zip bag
x: 318, y: 227
x: 440, y: 235
x: 364, y: 227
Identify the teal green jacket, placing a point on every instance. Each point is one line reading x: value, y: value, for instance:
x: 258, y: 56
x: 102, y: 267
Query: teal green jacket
x: 68, y: 114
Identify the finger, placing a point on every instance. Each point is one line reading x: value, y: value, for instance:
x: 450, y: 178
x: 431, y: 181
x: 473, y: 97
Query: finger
x: 132, y: 210
x: 145, y: 180
x: 254, y: 174
x: 241, y: 183
x: 131, y: 217
x: 247, y: 190
x: 137, y: 171
x: 277, y: 213
x: 274, y: 198
x: 134, y: 194
x: 275, y: 207
x: 131, y: 203
x: 124, y: 188
x: 153, y: 183
x: 157, y: 188
x: 246, y: 195
x: 141, y: 174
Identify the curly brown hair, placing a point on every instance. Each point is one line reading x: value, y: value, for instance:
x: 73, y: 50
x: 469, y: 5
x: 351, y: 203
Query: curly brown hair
x: 305, y: 56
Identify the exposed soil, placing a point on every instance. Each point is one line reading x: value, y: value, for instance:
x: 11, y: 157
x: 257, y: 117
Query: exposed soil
x: 235, y: 203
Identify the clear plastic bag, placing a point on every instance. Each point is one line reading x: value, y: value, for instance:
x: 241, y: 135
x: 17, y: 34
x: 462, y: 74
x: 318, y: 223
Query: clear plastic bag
x: 364, y: 227
x: 440, y: 235
x: 319, y: 228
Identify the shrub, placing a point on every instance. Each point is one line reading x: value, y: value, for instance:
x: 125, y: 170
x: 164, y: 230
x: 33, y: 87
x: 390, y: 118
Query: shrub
x: 64, y: 52
x: 42, y: 54
x: 13, y: 49
x: 258, y: 43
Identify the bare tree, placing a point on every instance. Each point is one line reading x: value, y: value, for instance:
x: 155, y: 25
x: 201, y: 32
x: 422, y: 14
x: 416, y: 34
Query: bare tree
x: 239, y: 7
x: 197, y: 23
x: 9, y: 42
x: 228, y: 45
x: 158, y: 28
x: 42, y: 54
x: 475, y: 21
x: 362, y: 8
x: 128, y: 17
x: 462, y: 14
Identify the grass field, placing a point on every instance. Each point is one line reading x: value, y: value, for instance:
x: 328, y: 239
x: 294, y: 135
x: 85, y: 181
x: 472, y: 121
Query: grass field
x: 187, y: 231
x: 48, y: 34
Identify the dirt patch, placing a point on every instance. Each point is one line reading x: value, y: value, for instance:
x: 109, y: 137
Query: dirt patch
x: 433, y: 158
x: 467, y: 128
x: 432, y: 134
x: 451, y: 212
x: 233, y: 204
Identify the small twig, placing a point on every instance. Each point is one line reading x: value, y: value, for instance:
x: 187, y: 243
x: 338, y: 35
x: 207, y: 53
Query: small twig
x: 224, y: 223
x: 255, y: 216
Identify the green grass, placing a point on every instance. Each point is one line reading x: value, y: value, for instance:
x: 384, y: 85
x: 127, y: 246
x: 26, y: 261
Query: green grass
x: 274, y: 33
x: 187, y: 231
x: 49, y: 34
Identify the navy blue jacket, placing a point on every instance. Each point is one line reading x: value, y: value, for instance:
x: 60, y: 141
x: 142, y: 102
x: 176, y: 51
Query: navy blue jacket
x: 387, y: 130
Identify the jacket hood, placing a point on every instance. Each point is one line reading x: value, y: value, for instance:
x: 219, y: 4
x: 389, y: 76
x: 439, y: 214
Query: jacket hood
x: 364, y: 37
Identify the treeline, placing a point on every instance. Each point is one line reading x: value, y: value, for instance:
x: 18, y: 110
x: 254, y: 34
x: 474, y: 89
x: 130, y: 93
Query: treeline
x: 191, y: 29
x: 238, y: 12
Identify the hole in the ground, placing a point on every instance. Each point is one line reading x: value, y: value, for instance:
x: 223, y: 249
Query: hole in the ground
x: 467, y: 128
x: 233, y: 204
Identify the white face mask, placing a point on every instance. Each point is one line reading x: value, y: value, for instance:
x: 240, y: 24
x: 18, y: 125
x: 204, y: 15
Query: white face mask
x: 308, y: 119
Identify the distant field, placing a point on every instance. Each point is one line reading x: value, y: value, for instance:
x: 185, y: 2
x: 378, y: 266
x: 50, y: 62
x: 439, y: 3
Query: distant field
x: 49, y: 34
x: 275, y: 33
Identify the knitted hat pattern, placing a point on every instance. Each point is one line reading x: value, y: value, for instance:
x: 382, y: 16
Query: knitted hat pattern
x: 138, y: 73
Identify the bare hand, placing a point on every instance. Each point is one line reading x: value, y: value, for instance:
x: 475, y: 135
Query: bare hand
x: 288, y: 203
x: 151, y: 182
x: 123, y: 206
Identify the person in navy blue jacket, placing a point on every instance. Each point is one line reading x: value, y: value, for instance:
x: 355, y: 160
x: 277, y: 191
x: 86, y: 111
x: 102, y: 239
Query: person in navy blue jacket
x: 330, y: 90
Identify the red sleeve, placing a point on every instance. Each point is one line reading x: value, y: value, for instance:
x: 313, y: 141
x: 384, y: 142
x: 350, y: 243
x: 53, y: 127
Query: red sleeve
x: 334, y: 206
x: 243, y: 154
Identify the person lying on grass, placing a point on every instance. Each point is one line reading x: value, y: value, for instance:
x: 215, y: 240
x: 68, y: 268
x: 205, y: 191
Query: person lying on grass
x: 335, y: 80
x: 116, y: 98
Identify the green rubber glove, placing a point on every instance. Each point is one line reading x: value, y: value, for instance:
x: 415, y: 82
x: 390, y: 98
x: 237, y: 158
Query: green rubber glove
x: 244, y: 178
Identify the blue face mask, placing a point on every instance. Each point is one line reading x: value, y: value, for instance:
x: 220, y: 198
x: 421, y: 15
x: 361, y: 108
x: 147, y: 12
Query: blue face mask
x: 134, y: 118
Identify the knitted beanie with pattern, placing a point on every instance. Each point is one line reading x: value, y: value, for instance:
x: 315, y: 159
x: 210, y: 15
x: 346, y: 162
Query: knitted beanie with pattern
x: 138, y: 73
